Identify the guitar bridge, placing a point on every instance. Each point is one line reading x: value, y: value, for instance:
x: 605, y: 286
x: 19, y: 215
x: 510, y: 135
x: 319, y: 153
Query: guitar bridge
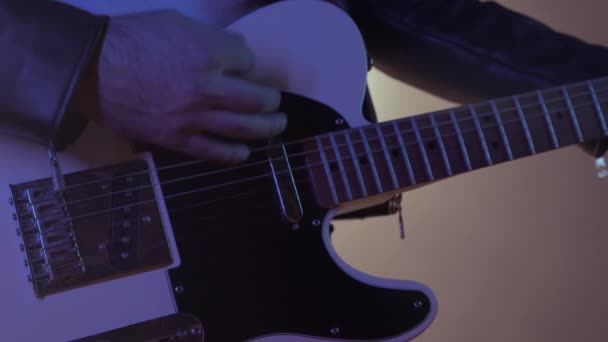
x: 49, y: 242
x: 103, y: 224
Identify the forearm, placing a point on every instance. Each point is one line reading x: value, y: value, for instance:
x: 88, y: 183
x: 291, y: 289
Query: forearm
x: 46, y: 47
x: 467, y: 50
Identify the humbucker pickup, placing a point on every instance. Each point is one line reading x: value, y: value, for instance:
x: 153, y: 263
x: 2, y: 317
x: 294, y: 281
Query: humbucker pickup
x: 104, y: 224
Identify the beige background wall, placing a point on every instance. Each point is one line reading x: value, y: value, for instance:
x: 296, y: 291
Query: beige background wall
x: 516, y: 252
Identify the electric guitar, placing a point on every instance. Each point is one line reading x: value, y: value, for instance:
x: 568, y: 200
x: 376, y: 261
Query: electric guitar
x: 119, y: 244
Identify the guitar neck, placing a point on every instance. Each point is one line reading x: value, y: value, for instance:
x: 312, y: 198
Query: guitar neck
x: 399, y: 154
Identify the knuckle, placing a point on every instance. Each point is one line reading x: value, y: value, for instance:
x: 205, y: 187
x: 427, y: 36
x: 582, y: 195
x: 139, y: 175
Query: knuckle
x: 214, y: 122
x: 209, y: 87
x: 211, y: 60
x: 236, y: 38
x: 199, y: 148
x: 274, y: 124
x: 262, y: 100
x: 252, y: 106
x: 221, y: 153
x: 265, y: 127
x: 170, y: 134
x: 248, y: 59
x: 244, y: 127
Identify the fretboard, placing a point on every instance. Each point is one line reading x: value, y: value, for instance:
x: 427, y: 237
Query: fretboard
x: 396, y: 155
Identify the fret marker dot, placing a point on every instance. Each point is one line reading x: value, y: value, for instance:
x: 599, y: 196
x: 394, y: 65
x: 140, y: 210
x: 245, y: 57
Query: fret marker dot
x: 495, y: 145
x: 395, y: 152
x: 333, y: 167
x: 559, y: 115
x: 431, y: 145
x: 363, y: 161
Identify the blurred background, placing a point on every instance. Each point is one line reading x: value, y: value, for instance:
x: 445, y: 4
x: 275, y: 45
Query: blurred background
x: 515, y: 252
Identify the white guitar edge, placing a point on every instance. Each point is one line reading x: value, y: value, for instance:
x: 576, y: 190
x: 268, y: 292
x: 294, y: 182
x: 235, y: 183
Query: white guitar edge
x: 397, y: 284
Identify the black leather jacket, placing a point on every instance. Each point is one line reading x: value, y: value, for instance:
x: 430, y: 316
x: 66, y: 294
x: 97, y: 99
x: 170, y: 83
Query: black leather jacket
x: 462, y: 50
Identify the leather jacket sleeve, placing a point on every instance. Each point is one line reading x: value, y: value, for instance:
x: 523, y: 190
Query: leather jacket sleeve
x: 468, y: 50
x: 45, y: 48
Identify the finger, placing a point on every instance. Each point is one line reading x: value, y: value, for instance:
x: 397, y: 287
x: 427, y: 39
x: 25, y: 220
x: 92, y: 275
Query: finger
x: 208, y: 149
x: 168, y: 133
x: 237, y: 125
x: 233, y: 54
x: 238, y: 95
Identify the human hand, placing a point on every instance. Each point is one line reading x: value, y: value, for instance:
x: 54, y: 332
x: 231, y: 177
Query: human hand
x: 165, y: 79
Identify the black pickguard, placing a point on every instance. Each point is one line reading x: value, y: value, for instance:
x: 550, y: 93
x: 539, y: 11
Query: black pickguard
x: 246, y: 273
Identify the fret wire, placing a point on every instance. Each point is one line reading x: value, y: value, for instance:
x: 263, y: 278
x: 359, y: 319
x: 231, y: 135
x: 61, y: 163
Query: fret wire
x: 444, y: 153
x: 501, y: 128
x: 548, y: 120
x: 463, y: 148
x: 387, y: 155
x: 524, y: 124
x: 368, y: 150
x: 334, y: 194
x: 406, y: 157
x: 340, y: 161
x: 425, y: 157
x: 577, y: 128
x: 353, y: 155
x: 598, y: 108
x: 482, y: 138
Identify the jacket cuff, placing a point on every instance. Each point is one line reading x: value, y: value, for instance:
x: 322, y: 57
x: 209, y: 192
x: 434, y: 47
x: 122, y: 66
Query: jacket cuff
x: 49, y: 46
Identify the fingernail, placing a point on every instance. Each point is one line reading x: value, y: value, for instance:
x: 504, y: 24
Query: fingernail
x: 242, y: 152
x: 282, y: 121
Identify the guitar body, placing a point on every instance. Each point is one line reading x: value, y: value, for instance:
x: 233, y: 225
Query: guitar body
x: 248, y: 272
x: 238, y: 265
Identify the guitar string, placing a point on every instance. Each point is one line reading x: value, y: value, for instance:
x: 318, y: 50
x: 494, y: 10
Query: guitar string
x: 438, y: 125
x: 194, y: 236
x: 42, y: 198
x: 298, y: 181
x: 248, y: 179
x: 199, y: 234
x: 215, y: 186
